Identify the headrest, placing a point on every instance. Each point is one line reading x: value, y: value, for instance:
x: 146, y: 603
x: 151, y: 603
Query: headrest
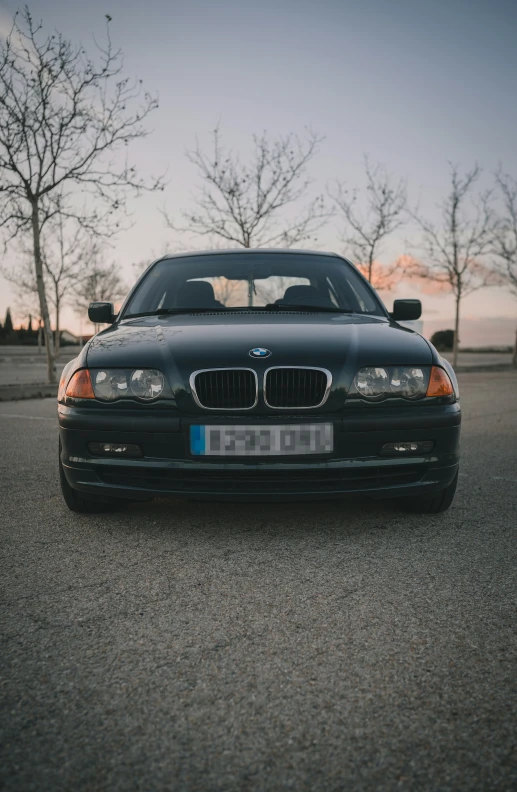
x: 196, y: 294
x: 305, y: 295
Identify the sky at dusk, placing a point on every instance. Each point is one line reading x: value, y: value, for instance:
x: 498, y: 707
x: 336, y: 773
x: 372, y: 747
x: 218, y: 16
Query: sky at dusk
x: 413, y: 83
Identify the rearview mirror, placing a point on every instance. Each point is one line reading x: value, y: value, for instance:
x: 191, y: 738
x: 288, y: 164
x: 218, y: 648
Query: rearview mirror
x: 101, y: 313
x: 406, y: 310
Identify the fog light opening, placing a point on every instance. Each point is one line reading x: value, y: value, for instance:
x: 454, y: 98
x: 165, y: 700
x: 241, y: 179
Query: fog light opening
x: 407, y: 447
x: 115, y: 449
x: 404, y: 447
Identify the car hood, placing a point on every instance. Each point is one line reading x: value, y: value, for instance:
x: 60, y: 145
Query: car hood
x: 179, y: 345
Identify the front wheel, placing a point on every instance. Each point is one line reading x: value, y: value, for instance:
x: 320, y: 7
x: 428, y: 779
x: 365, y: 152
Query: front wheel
x: 430, y: 504
x: 82, y: 502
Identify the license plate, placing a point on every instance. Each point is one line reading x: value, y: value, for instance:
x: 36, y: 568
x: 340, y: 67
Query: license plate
x: 285, y: 440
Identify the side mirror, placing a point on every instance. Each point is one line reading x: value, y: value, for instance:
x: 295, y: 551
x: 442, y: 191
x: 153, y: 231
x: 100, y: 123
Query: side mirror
x: 101, y: 313
x: 406, y: 310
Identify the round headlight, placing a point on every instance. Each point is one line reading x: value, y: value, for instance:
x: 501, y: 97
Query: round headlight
x: 110, y: 385
x: 408, y: 382
x: 147, y: 383
x: 372, y: 383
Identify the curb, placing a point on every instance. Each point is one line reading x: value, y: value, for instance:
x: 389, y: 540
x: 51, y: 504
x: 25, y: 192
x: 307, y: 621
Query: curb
x: 494, y: 367
x: 27, y: 391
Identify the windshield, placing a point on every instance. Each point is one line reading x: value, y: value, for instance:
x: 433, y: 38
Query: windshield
x: 255, y: 281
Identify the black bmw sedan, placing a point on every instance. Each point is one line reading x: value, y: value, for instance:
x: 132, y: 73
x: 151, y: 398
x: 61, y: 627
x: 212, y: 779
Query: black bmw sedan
x: 253, y: 375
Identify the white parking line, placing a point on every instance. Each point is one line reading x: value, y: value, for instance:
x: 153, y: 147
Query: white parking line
x: 28, y: 417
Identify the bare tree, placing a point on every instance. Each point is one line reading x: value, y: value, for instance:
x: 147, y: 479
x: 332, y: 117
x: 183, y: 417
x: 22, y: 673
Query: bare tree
x: 242, y: 203
x: 228, y: 292
x: 366, y: 229
x: 456, y: 250
x: 272, y: 289
x: 140, y: 266
x: 64, y: 124
x: 26, y: 293
x: 65, y: 257
x: 23, y: 279
x: 66, y: 250
x: 100, y: 282
x: 506, y: 239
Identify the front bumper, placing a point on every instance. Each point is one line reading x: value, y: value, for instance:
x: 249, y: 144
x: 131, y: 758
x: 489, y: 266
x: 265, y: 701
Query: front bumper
x: 168, y: 469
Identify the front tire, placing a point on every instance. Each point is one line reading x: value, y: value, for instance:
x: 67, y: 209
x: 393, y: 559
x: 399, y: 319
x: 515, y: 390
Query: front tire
x: 434, y: 503
x: 82, y: 502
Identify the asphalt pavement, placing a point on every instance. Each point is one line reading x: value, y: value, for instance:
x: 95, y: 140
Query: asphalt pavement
x: 193, y: 646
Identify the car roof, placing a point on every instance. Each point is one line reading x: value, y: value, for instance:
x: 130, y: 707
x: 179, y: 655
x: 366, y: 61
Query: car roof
x: 248, y: 252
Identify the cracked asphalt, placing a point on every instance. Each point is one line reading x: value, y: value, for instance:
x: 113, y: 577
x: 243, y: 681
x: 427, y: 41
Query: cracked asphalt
x: 194, y: 646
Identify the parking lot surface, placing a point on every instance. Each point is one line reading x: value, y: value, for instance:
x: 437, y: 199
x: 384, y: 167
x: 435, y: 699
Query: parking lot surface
x: 195, y: 646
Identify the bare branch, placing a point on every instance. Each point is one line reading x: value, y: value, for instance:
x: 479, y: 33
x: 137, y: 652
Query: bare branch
x: 241, y: 203
x: 66, y: 251
x: 365, y: 230
x: 456, y: 251
x: 66, y: 120
x: 100, y: 282
x: 505, y: 237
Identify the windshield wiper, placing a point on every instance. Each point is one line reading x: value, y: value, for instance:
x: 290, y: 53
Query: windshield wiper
x: 301, y: 307
x: 169, y: 311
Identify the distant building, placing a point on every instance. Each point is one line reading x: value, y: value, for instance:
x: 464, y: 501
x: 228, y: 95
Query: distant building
x: 69, y: 338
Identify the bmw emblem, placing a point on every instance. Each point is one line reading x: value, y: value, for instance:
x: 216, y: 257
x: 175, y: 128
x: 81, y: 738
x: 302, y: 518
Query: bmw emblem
x: 259, y: 352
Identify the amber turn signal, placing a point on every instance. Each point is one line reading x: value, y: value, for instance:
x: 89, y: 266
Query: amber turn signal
x: 80, y: 386
x: 62, y: 388
x: 439, y: 383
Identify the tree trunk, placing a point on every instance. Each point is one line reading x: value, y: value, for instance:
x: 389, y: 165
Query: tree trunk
x: 57, y: 333
x: 39, y: 337
x: 456, y: 332
x: 514, y: 356
x: 38, y: 265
